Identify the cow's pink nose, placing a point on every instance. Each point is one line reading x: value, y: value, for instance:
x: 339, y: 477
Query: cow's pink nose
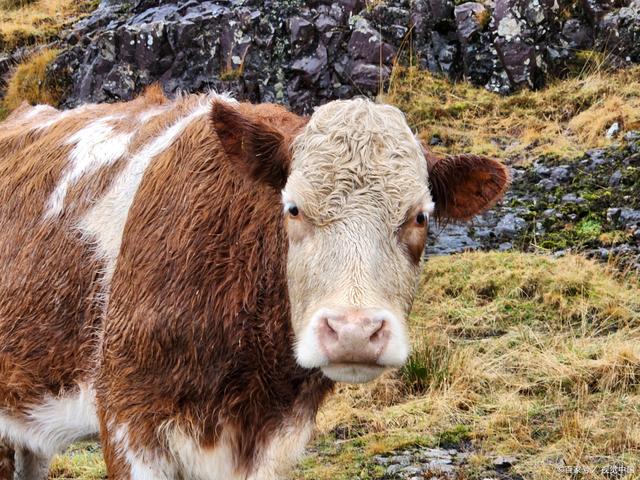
x: 353, y: 337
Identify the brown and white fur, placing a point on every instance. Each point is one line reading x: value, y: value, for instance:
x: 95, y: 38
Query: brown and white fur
x: 153, y: 292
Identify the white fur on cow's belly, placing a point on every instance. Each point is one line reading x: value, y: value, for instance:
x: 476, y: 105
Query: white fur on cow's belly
x: 187, y: 459
x: 50, y: 426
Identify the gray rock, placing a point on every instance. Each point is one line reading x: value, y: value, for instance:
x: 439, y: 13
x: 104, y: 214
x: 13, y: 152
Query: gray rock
x: 510, y: 225
x: 613, y: 214
x: 629, y: 216
x: 402, y: 460
x: 613, y: 130
x: 411, y: 470
x: 453, y: 238
x: 368, y: 77
x: 327, y: 50
x: 366, y: 44
x: 311, y: 66
x: 436, y: 453
x: 380, y: 460
x: 440, y: 466
x: 632, y: 136
x: 547, y: 184
x: 561, y: 173
x: 623, y: 28
x: 470, y: 20
x: 393, y: 469
x: 302, y: 33
x: 615, y: 178
x: 571, y: 198
x: 503, y: 247
x: 541, y: 169
x: 577, y: 33
x: 440, y: 11
x: 504, y: 462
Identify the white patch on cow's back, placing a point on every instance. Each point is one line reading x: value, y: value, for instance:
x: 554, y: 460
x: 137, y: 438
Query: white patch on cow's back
x: 37, y: 110
x: 48, y: 427
x: 151, y: 113
x: 95, y: 146
x: 58, y: 116
x: 104, y: 223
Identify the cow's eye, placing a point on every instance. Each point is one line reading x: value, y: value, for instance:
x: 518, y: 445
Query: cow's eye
x: 293, y: 210
x: 421, y: 219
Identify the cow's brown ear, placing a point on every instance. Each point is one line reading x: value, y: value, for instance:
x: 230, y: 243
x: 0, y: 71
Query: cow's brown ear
x: 258, y: 148
x: 465, y: 185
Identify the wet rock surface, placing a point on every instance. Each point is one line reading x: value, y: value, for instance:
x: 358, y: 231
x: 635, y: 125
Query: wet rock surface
x: 420, y: 463
x: 306, y: 53
x: 589, y: 204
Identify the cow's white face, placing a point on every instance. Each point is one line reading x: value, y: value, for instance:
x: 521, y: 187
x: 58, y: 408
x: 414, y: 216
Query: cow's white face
x: 357, y: 193
x: 357, y: 204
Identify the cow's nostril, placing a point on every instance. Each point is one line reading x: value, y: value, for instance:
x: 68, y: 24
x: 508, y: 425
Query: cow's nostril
x: 377, y: 335
x: 331, y: 330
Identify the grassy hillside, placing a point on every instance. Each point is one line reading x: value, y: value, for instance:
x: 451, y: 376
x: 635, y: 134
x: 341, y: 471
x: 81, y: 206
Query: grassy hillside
x: 565, y: 118
x: 514, y: 354
x: 31, y: 22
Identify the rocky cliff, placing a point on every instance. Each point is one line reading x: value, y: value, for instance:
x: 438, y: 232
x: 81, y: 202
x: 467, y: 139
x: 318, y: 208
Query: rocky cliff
x: 305, y: 53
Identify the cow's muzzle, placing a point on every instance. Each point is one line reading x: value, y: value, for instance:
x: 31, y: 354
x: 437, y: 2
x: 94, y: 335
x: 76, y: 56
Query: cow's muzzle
x: 355, y: 336
x: 353, y: 344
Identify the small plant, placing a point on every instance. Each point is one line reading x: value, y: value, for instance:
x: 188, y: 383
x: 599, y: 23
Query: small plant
x: 230, y: 73
x: 427, y: 367
x: 484, y: 18
x: 589, y: 229
x: 454, y: 437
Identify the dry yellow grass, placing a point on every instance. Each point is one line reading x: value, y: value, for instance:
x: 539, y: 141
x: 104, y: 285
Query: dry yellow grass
x: 565, y: 118
x: 29, y: 83
x: 24, y: 22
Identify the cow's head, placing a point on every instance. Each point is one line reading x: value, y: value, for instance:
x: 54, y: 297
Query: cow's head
x: 358, y: 190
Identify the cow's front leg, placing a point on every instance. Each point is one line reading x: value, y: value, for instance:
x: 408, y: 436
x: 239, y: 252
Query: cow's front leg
x: 128, y: 458
x: 7, y: 462
x: 284, y: 450
x: 30, y: 465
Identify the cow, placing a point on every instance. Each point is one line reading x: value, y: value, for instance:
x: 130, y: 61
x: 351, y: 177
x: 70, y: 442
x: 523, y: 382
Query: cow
x: 187, y: 278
